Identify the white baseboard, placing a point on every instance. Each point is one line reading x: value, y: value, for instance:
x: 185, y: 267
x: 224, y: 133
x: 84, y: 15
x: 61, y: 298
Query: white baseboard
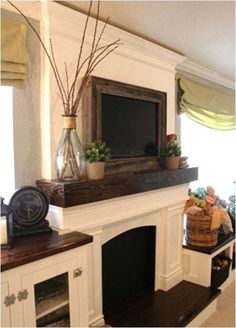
x: 97, y: 322
x: 167, y: 282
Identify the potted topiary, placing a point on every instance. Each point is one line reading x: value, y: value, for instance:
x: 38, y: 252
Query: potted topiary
x: 172, y: 152
x: 96, y: 154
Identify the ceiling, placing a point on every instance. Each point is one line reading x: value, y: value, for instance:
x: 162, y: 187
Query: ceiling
x: 203, y: 31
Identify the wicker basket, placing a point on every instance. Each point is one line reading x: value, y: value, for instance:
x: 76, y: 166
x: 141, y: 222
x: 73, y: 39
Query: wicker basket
x: 198, y: 232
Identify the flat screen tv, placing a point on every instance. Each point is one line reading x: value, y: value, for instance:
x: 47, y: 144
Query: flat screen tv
x: 129, y: 125
x: 130, y: 119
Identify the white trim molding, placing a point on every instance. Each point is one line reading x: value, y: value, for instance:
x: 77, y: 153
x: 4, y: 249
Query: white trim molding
x: 205, y: 73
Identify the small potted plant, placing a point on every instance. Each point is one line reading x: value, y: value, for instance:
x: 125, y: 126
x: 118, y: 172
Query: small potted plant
x: 172, y: 152
x: 96, y: 154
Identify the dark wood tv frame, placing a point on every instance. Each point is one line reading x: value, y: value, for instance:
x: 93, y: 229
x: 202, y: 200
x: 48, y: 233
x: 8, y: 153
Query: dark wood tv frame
x: 92, y: 126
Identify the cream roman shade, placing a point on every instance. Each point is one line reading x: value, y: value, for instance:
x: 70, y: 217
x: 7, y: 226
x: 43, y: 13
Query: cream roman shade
x: 209, y: 106
x: 14, y: 55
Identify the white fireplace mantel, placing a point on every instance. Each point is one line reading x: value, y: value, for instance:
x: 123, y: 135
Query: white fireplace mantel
x: 99, y: 214
x: 162, y: 208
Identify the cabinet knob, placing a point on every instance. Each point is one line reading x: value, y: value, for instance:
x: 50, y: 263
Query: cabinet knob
x: 22, y: 295
x: 77, y: 272
x: 9, y: 300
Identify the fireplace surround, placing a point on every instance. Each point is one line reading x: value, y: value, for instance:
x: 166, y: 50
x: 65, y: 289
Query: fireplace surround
x: 157, y: 205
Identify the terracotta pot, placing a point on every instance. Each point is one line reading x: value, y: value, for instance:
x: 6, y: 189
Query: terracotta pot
x: 95, y: 170
x: 172, y: 162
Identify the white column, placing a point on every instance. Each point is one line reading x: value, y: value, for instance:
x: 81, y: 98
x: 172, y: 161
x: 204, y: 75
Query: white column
x: 95, y: 279
x: 45, y: 108
x: 170, y: 267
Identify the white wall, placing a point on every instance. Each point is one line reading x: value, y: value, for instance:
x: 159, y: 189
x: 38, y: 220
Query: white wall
x: 136, y: 62
x: 37, y: 119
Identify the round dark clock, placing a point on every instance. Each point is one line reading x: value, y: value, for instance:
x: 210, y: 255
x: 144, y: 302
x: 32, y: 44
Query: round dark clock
x: 30, y: 207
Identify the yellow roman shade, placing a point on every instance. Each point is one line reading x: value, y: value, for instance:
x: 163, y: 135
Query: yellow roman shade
x: 14, y: 54
x: 209, y: 106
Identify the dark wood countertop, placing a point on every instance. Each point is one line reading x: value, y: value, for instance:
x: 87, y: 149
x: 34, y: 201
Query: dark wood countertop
x: 71, y: 193
x: 37, y: 246
x: 222, y: 240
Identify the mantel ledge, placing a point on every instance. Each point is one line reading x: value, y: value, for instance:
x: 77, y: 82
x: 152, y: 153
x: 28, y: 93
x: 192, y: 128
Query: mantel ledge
x: 72, y: 193
x: 102, y: 213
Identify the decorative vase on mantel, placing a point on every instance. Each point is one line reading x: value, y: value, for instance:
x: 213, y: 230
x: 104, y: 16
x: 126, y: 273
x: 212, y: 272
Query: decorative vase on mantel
x: 70, y: 160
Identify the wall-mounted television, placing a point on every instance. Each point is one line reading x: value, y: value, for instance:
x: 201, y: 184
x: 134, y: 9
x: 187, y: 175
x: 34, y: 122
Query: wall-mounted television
x: 129, y: 125
x: 130, y: 119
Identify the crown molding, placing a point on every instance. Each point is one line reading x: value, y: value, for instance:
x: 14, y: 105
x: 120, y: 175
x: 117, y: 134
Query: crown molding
x: 205, y: 73
x: 73, y: 20
x: 132, y: 45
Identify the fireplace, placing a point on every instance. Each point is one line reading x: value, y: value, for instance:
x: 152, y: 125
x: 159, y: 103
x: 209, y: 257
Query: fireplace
x: 106, y: 219
x: 128, y: 266
x: 117, y: 204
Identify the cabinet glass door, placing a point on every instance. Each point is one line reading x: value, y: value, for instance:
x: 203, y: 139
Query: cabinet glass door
x: 51, y: 296
x: 52, y: 302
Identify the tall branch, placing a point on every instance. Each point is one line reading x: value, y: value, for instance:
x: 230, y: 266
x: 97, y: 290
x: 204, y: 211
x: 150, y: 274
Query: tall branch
x: 67, y: 85
x: 72, y: 91
x: 95, y: 33
x: 97, y: 53
x: 91, y: 54
x: 91, y: 67
x: 42, y: 44
x: 59, y: 81
x: 101, y: 34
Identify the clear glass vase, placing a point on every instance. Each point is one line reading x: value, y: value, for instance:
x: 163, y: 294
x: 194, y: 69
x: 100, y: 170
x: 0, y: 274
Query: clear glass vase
x: 70, y: 160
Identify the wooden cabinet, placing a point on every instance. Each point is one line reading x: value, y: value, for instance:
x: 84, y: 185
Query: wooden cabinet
x: 52, y: 290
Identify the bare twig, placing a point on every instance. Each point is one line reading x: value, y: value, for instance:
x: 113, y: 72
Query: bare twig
x: 42, y: 44
x: 115, y: 43
x: 70, y: 100
x: 95, y: 33
x: 58, y: 78
x: 81, y: 49
x: 101, y: 34
x: 91, y: 54
x: 67, y: 82
x: 93, y: 65
x: 87, y: 58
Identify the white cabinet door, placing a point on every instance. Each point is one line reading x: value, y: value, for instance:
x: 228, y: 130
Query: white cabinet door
x: 51, y: 292
x: 5, y: 308
x: 11, y: 308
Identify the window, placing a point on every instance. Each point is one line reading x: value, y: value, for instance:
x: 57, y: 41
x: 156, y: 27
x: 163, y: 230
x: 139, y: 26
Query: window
x: 213, y: 152
x: 7, y: 175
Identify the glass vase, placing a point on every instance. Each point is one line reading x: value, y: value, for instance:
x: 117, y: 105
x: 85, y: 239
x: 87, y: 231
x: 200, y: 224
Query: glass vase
x: 70, y: 160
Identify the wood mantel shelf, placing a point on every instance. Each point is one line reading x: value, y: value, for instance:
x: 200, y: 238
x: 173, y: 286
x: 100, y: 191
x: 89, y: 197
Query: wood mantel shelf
x: 34, y: 247
x: 71, y: 193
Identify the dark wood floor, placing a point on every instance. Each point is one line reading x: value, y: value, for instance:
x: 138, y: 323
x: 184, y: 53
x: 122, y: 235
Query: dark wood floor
x: 174, y: 308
